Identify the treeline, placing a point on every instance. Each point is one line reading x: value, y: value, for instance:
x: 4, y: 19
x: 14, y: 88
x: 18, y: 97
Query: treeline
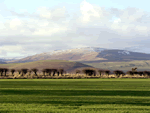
x: 117, y: 73
x: 60, y: 72
x: 24, y: 71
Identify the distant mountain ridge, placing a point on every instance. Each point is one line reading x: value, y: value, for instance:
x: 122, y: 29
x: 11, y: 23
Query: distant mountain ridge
x: 86, y: 54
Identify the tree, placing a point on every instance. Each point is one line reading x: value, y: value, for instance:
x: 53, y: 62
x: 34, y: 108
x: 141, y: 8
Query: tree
x: 12, y: 71
x: 118, y: 73
x: 94, y: 72
x: 58, y: 73
x: 78, y: 71
x: 107, y: 72
x: 29, y: 73
x: 134, y: 69
x: 35, y: 71
x: 49, y: 71
x: 146, y: 73
x: 61, y: 71
x: 1, y: 71
x: 89, y: 72
x: 44, y: 72
x: 54, y: 71
x: 6, y: 70
x: 24, y: 71
x: 130, y: 72
x: 19, y: 71
x: 141, y: 73
x: 100, y: 72
x: 135, y: 72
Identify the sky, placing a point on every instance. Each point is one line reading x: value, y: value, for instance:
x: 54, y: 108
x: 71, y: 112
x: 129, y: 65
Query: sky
x: 29, y: 27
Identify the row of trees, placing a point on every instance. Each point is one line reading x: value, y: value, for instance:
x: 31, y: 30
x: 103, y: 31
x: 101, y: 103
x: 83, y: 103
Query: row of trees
x: 24, y: 71
x: 89, y: 72
x: 118, y: 73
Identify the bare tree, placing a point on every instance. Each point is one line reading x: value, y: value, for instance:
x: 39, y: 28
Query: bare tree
x: 107, y: 72
x: 19, y: 71
x: 134, y: 69
x: 24, y: 71
x: 118, y: 73
x: 129, y: 72
x: 78, y: 71
x: 30, y: 71
x: 1, y: 71
x: 61, y: 71
x: 135, y: 72
x: 5, y: 71
x: 146, y: 73
x: 100, y: 71
x: 54, y: 71
x: 44, y: 72
x: 85, y: 71
x: 49, y: 71
x: 12, y: 71
x: 35, y: 71
x: 58, y: 73
x: 89, y: 72
x: 141, y: 73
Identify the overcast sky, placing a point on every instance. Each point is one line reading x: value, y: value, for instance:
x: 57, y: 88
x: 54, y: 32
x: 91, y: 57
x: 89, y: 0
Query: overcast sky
x: 29, y: 27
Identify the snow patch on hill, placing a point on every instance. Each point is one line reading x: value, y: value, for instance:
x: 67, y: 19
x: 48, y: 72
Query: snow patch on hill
x: 83, y: 50
x: 124, y: 52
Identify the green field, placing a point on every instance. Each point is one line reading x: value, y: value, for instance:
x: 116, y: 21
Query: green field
x: 75, y: 95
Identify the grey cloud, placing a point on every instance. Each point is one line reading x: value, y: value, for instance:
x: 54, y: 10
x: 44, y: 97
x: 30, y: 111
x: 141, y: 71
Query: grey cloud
x: 55, y: 15
x: 139, y: 15
x: 45, y: 47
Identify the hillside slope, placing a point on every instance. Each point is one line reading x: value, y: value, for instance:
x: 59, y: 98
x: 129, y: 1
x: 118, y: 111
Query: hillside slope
x: 68, y: 66
x: 125, y: 66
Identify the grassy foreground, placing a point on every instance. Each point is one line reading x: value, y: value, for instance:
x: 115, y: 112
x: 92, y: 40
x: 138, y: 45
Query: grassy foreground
x: 75, y: 96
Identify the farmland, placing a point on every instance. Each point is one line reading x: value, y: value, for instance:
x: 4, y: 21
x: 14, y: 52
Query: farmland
x: 74, y: 95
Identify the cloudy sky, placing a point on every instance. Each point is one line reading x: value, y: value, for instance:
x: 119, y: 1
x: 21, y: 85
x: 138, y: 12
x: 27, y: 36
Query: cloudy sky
x: 29, y: 27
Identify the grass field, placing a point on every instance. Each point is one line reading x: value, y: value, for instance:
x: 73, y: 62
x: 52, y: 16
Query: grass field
x: 75, y: 96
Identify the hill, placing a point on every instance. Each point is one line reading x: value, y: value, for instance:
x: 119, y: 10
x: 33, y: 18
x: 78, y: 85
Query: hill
x: 125, y: 66
x: 68, y: 66
x: 86, y: 55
